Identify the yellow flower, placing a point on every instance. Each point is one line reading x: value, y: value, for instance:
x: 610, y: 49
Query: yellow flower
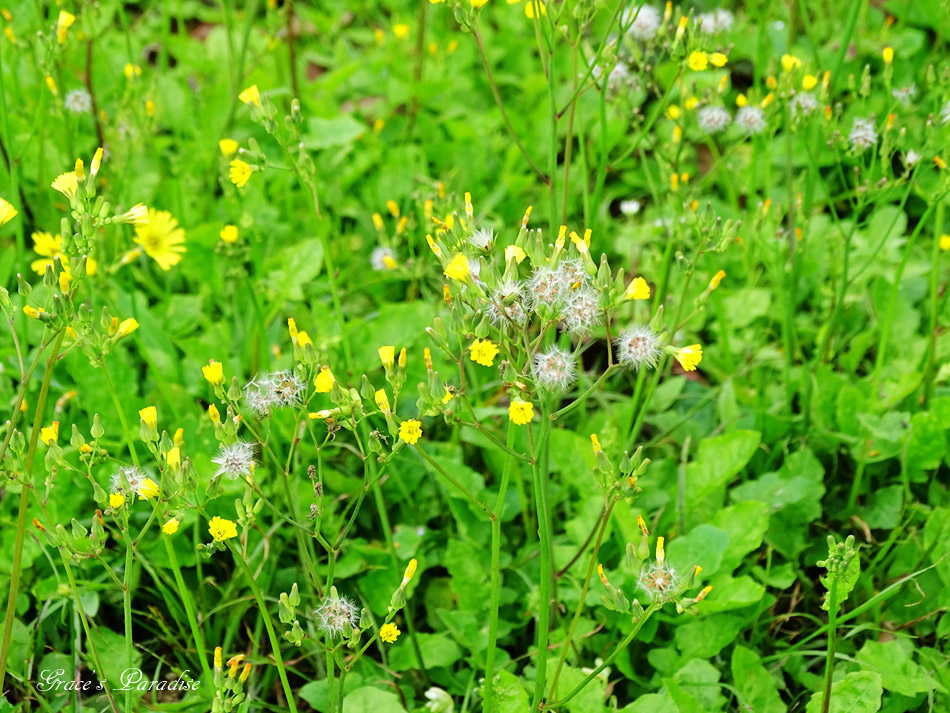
x: 179, y: 436
x: 324, y: 381
x: 521, y: 412
x: 809, y: 81
x: 690, y: 356
x: 410, y: 431
x: 221, y: 529
x: 939, y: 162
x: 638, y: 289
x: 660, y: 551
x: 888, y: 54
x: 213, y: 414
x: 131, y: 71
x: 697, y: 61
x: 410, y: 572
x: 50, y: 433
x: 96, y: 162
x: 483, y: 351
x: 148, y: 489
x: 7, y: 211
x: 149, y: 414
x: 228, y: 147
x: 382, y: 400
x: 448, y: 396
x: 595, y: 443
x: 240, y: 172
x: 116, y: 500
x: 229, y: 233
x: 718, y: 59
x: 790, y: 62
x: 673, y: 112
x: 251, y: 95
x: 477, y: 3
x: 513, y: 252
x: 170, y: 527
x: 213, y: 372
x: 458, y: 268
x: 677, y: 134
x: 67, y: 184
x: 51, y: 85
x: 529, y: 9
x: 387, y: 355
x: 303, y: 339
x: 390, y: 632
x: 717, y: 278
x: 126, y: 327
x: 48, y: 246
x: 173, y: 458
x: 945, y: 242
x: 401, y: 30
x: 63, y: 23
x: 161, y: 238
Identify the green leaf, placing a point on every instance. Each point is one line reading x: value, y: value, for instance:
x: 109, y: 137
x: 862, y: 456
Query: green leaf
x: 338, y: 131
x: 437, y: 650
x: 510, y: 696
x: 755, y: 685
x: 746, y: 524
x: 703, y: 546
x: 858, y: 692
x: 898, y: 671
x: 372, y: 700
x: 651, y: 703
x: 719, y: 460
x: 315, y: 692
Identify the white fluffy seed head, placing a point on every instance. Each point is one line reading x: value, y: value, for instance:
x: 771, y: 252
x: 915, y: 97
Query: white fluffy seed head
x: 862, y: 135
x: 713, y: 119
x: 128, y: 480
x: 482, y: 239
x: 582, y: 312
x: 659, y: 581
x: 542, y: 288
x: 334, y: 614
x: 803, y: 104
x: 505, y: 305
x: 274, y: 390
x: 905, y: 94
x: 716, y: 21
x: 235, y: 460
x: 78, y: 101
x: 638, y: 347
x: 751, y: 119
x: 646, y: 21
x: 554, y: 369
x: 377, y: 258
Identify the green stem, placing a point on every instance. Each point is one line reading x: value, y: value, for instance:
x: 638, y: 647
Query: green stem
x: 930, y: 367
x: 547, y: 571
x: 495, y: 586
x: 24, y: 498
x: 268, y: 624
x: 832, y: 642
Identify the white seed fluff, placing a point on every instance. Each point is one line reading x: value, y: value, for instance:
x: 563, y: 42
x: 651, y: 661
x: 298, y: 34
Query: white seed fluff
x: 235, y: 460
x: 554, y: 369
x: 713, y: 119
x: 638, y: 346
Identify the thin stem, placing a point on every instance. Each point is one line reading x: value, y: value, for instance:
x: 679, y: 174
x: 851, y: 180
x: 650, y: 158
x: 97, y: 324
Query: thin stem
x: 547, y: 572
x: 832, y: 642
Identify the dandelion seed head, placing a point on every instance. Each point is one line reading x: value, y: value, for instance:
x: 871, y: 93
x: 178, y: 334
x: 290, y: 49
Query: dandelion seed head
x: 482, y: 239
x: 377, y: 258
x: 716, y: 21
x: 751, y: 119
x: 129, y: 479
x: 505, y: 305
x: 659, y: 581
x: 78, y: 101
x: 543, y: 288
x: 630, y: 206
x: 569, y: 273
x: 554, y: 369
x: 905, y: 94
x: 803, y: 104
x: 646, y: 22
x: 638, y: 346
x: 911, y: 157
x: 582, y: 313
x: 713, y: 119
x: 234, y: 460
x: 862, y: 135
x: 334, y: 614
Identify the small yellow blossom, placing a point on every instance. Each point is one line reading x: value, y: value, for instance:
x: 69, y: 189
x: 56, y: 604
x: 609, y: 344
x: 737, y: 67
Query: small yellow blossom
x: 221, y: 529
x: 691, y: 103
x: 382, y: 400
x: 483, y: 351
x: 790, y: 62
x: 32, y: 312
x: 7, y: 211
x: 410, y: 572
x: 387, y: 355
x: 809, y: 81
x: 401, y: 30
x: 51, y: 85
x: 116, y: 500
x: 50, y: 434
x: 162, y: 238
x: 513, y: 252
x: 717, y: 278
x: 945, y: 242
x: 324, y: 381
x: 240, y: 172
x: 448, y: 396
x: 126, y: 327
x: 213, y: 414
x: 741, y: 100
x: 63, y: 23
x: 149, y: 415
x: 697, y: 61
x: 939, y: 162
x: 148, y: 489
x: 690, y: 356
x: 213, y: 372
x: 67, y: 184
x: 410, y: 431
x: 718, y: 59
x: 303, y: 339
x: 888, y: 54
x: 529, y: 9
x: 390, y: 632
x: 173, y: 458
x: 638, y: 289
x: 228, y: 147
x: 673, y: 112
x: 458, y: 268
x: 229, y: 233
x: 179, y: 436
x: 131, y: 71
x: 660, y: 551
x: 521, y: 412
x: 251, y: 95
x: 595, y: 443
x: 170, y: 527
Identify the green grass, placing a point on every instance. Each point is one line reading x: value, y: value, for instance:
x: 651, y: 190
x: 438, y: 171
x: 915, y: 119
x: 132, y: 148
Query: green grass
x: 731, y: 496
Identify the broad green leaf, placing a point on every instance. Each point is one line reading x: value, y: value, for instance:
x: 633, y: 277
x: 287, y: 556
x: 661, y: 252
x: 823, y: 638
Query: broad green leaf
x: 894, y: 662
x: 703, y: 546
x: 755, y: 685
x: 510, y: 696
x: 372, y: 700
x: 437, y: 650
x: 858, y: 692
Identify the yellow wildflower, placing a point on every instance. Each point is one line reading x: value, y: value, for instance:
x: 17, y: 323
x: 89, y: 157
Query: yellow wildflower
x: 67, y: 184
x: 483, y: 351
x: 131, y: 71
x: 221, y: 529
x: 228, y: 147
x: 809, y: 81
x: 213, y: 414
x: 148, y: 489
x: 50, y: 433
x: 116, y: 500
x: 401, y: 30
x: 229, y: 233
x: 458, y: 268
x: 660, y: 551
x: 690, y: 356
x: 790, y: 62
x: 888, y: 54
x: 697, y: 61
x: 513, y: 252
x: 213, y: 372
x: 521, y: 412
x: 945, y: 242
x: 638, y: 289
x: 718, y: 59
x: 149, y: 414
x: 126, y: 327
x: 161, y: 238
x: 717, y: 278
x: 251, y: 95
x: 173, y: 458
x: 324, y: 381
x: 170, y: 527
x: 390, y: 632
x: 7, y: 211
x: 387, y: 355
x: 63, y: 23
x: 32, y: 312
x: 382, y: 400
x: 240, y: 172
x: 410, y: 431
x: 303, y: 339
x: 595, y: 443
